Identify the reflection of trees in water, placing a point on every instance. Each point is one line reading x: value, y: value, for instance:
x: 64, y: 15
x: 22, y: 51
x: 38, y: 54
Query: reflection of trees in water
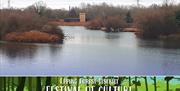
x: 54, y: 49
x: 22, y: 52
x: 18, y: 50
x: 148, y: 43
x: 158, y: 44
x: 171, y: 44
x: 112, y: 36
x: 55, y: 52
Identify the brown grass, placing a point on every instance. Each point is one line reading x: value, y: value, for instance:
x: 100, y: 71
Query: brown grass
x: 32, y: 36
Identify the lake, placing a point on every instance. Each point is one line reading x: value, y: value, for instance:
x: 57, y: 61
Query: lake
x: 91, y: 52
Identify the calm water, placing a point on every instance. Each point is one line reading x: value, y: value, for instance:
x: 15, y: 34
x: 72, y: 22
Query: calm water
x: 87, y: 52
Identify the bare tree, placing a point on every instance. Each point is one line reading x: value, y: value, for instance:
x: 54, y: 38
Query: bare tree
x: 138, y: 3
x: 9, y: 3
x: 166, y: 2
x: 39, y: 7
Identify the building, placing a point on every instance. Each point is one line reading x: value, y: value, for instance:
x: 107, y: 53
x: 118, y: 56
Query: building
x: 73, y: 17
x: 82, y: 17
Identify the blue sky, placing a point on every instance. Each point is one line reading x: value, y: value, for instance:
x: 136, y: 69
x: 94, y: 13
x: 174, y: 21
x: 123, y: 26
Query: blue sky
x: 66, y: 3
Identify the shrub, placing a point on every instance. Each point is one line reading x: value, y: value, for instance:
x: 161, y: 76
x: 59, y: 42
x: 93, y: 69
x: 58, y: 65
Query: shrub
x: 18, y: 21
x: 114, y: 24
x: 160, y: 21
x: 52, y: 28
x: 110, y: 23
x: 17, y: 25
x: 95, y: 24
x: 32, y: 36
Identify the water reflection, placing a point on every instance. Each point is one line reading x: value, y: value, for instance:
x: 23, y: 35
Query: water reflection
x: 158, y: 44
x: 149, y: 43
x: 27, y: 53
x: 171, y: 44
x: 112, y: 36
x: 54, y: 49
x: 13, y: 50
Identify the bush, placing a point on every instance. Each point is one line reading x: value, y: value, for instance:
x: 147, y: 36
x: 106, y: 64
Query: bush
x: 17, y: 25
x: 18, y: 21
x: 32, y: 36
x: 110, y: 23
x: 155, y: 22
x: 114, y: 24
x: 95, y: 24
x: 52, y: 28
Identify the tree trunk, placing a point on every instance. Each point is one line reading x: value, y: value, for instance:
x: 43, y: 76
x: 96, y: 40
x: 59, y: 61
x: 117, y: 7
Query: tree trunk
x: 129, y: 81
x: 146, y: 83
x: 21, y: 84
x: 77, y: 83
x: 38, y: 87
x: 48, y: 82
x: 155, y: 87
x: 12, y: 87
x: 167, y: 85
x: 8, y: 83
x: 4, y: 83
x: 136, y: 88
x: 30, y: 84
x: 1, y: 84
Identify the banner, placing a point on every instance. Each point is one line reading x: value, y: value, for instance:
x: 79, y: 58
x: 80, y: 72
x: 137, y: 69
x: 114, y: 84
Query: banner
x: 91, y: 83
